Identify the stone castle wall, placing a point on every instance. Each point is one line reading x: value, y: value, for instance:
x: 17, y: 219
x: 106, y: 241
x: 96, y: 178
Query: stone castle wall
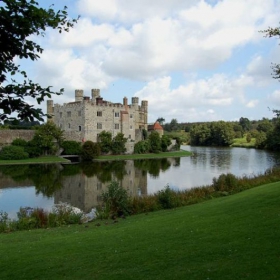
x: 8, y: 135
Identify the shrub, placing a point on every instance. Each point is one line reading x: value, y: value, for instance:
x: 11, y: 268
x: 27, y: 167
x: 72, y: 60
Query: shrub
x: 142, y: 147
x: 71, y: 147
x: 116, y: 200
x: 166, y: 198
x: 33, y: 149
x: 90, y: 151
x: 19, y: 142
x: 225, y: 182
x: 13, y: 153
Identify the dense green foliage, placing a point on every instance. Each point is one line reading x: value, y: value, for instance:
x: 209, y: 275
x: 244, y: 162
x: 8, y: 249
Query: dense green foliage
x: 13, y: 153
x: 20, y: 22
x: 19, y: 142
x: 48, y: 137
x: 116, y: 202
x: 212, y: 134
x: 90, y: 150
x: 118, y: 144
x: 142, y: 147
x: 105, y: 140
x: 155, y: 142
x: 71, y: 147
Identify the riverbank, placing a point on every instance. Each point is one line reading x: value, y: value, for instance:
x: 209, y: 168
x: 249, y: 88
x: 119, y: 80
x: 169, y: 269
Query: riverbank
x: 39, y: 160
x: 56, y: 159
x: 233, y: 237
x: 181, y: 153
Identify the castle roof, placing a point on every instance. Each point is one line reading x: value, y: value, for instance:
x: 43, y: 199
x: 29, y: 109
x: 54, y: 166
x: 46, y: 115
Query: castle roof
x: 157, y: 126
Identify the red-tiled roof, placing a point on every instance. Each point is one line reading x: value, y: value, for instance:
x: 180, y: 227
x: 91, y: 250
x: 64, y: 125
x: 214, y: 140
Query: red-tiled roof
x: 157, y: 126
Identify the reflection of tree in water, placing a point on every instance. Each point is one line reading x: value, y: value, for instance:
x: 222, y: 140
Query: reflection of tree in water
x: 177, y: 162
x: 152, y: 166
x: 70, y: 170
x: 18, y: 173
x: 47, y: 178
x: 105, y: 171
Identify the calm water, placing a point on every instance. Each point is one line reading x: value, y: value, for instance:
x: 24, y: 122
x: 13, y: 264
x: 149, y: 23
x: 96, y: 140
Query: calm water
x: 81, y: 185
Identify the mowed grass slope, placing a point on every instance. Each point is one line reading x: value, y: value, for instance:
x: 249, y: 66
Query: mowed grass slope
x: 234, y: 237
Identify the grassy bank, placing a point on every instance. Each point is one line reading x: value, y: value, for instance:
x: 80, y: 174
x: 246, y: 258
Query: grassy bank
x: 46, y: 159
x: 242, y: 143
x: 233, y: 237
x: 180, y: 153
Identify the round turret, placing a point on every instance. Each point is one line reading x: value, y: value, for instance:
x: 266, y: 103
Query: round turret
x: 79, y: 94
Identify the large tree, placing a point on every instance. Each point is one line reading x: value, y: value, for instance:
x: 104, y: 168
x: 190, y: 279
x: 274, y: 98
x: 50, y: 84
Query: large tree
x: 19, y: 20
x: 273, y: 32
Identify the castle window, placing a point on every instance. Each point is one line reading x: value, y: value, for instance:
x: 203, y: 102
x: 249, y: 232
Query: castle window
x: 80, y: 128
x: 131, y: 116
x: 79, y: 113
x: 60, y: 114
x: 129, y: 136
x: 69, y: 114
x: 99, y: 125
x: 117, y: 114
x: 131, y: 127
x: 69, y: 125
x: 99, y: 114
x: 117, y: 126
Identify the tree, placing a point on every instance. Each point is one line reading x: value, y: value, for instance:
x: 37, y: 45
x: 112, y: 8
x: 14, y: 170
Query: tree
x: 155, y: 142
x: 200, y: 135
x: 90, y: 151
x: 105, y: 139
x: 19, y: 21
x: 245, y: 123
x: 161, y: 120
x: 118, y: 144
x: 273, y: 32
x: 48, y: 137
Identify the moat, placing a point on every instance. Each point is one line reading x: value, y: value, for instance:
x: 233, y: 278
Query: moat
x: 81, y: 185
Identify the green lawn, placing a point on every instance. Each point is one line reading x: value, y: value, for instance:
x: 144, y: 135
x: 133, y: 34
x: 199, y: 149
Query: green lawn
x: 242, y: 142
x: 46, y: 159
x: 180, y: 153
x: 234, y: 237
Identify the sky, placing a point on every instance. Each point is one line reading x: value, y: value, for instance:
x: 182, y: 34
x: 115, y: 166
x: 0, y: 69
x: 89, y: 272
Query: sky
x: 194, y: 61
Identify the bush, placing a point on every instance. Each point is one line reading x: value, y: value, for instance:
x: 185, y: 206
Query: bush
x: 166, y: 198
x: 71, y: 148
x: 33, y: 149
x: 142, y: 147
x: 13, y: 153
x: 90, y: 151
x: 19, y: 142
x: 225, y: 183
x: 116, y: 201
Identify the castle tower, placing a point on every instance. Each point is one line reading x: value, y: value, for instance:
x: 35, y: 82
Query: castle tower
x: 125, y: 102
x: 135, y: 101
x: 144, y: 105
x: 50, y: 110
x: 79, y: 94
x: 95, y: 93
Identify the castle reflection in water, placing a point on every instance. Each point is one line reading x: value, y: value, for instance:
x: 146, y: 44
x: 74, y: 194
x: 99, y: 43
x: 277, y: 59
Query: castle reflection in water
x: 80, y: 185
x: 85, y: 192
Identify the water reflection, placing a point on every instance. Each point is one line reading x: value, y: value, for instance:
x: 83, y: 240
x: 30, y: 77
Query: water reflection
x: 82, y: 184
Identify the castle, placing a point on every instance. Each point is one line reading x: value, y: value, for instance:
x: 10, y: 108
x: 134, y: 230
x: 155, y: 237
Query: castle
x: 86, y: 117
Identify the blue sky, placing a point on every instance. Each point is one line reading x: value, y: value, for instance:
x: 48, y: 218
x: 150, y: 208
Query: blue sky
x: 192, y: 60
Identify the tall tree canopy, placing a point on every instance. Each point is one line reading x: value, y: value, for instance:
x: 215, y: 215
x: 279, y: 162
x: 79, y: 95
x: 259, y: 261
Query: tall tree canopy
x: 19, y: 19
x: 273, y: 32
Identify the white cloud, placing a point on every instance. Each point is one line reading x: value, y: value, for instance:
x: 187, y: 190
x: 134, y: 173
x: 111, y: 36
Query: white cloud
x: 252, y: 103
x: 275, y: 98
